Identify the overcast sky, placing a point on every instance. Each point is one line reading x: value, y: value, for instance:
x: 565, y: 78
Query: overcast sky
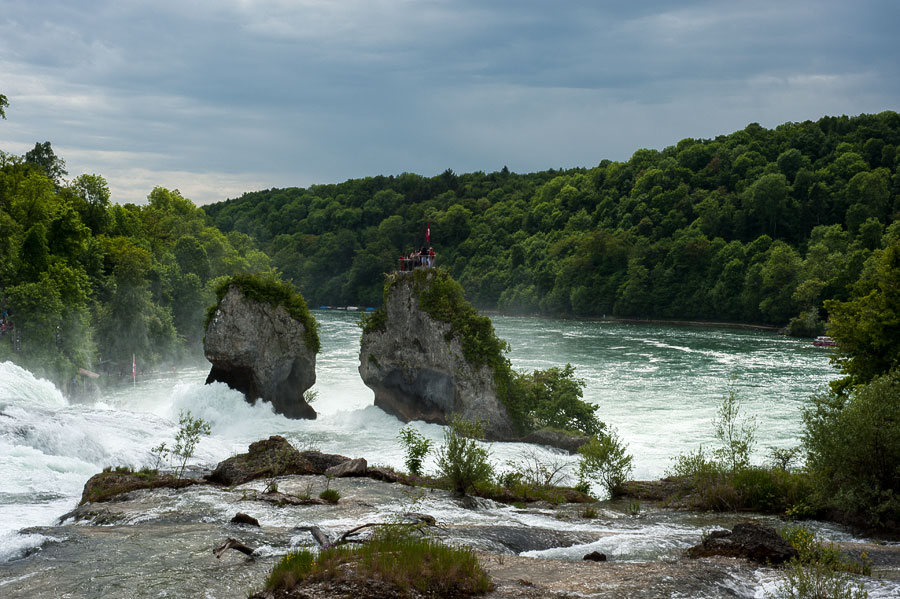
x: 218, y: 97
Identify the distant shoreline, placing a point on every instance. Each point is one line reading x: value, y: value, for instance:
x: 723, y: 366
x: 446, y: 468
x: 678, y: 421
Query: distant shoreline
x: 690, y: 323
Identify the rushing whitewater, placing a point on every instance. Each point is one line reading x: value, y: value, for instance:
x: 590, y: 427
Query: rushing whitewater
x: 659, y: 386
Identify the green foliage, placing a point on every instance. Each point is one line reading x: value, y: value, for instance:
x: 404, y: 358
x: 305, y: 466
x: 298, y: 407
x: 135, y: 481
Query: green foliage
x: 867, y: 326
x: 461, y: 460
x: 737, y: 434
x: 552, y: 399
x: 604, y: 460
x: 816, y: 581
x: 716, y: 229
x: 820, y: 571
x: 190, y: 430
x: 330, y: 495
x: 4, y: 104
x: 853, y: 448
x: 268, y: 289
x: 405, y: 562
x: 416, y: 446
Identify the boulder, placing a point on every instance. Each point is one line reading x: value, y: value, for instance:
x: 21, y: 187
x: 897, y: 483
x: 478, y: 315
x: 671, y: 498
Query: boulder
x: 260, y: 350
x: 242, y: 518
x: 752, y: 541
x: 321, y: 462
x: 594, y: 556
x: 271, y: 457
x: 415, y: 363
x: 356, y: 467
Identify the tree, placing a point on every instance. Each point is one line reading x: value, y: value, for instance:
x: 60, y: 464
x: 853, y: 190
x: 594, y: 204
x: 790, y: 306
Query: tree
x: 43, y: 157
x: 93, y: 191
x: 867, y: 327
x: 4, y: 103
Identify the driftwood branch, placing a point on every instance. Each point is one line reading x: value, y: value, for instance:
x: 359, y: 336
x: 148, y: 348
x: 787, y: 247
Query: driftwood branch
x: 321, y: 538
x: 233, y: 544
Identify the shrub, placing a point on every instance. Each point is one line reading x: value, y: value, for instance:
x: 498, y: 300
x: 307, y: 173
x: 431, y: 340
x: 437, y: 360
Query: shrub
x: 461, y: 460
x: 405, y: 562
x: 417, y: 447
x: 189, y: 432
x: 533, y: 470
x: 820, y: 571
x: 552, y: 399
x: 737, y: 434
x: 816, y: 581
x: 330, y: 495
x: 604, y: 459
x: 853, y: 448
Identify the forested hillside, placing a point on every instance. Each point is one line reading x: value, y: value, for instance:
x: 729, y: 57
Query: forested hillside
x: 85, y: 283
x: 757, y: 226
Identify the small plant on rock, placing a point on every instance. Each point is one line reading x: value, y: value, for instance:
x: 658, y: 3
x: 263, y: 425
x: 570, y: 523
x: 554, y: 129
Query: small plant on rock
x: 189, y: 432
x: 417, y: 447
x: 604, y: 459
x: 461, y: 460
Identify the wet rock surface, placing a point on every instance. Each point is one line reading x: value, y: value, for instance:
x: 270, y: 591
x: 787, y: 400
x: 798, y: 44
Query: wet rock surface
x: 260, y: 350
x: 160, y: 542
x: 748, y: 540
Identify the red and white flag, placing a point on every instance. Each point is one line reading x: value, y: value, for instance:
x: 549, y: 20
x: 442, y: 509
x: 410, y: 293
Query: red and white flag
x: 428, y: 233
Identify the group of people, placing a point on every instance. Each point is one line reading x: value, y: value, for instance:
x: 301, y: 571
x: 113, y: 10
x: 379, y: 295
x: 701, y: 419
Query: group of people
x: 5, y: 323
x: 420, y: 257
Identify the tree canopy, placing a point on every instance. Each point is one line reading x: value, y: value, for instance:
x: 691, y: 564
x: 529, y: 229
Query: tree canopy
x: 758, y: 226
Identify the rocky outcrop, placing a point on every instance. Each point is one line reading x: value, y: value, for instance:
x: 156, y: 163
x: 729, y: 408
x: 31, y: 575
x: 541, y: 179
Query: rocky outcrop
x: 260, y: 350
x: 415, y: 364
x: 268, y: 458
x: 752, y: 541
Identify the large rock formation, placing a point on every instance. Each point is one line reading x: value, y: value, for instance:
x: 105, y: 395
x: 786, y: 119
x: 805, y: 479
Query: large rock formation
x: 416, y: 366
x: 260, y: 349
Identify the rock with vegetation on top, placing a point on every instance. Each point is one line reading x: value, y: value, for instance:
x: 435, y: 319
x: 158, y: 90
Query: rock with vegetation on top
x: 749, y: 540
x: 262, y: 341
x: 427, y: 354
x: 267, y: 458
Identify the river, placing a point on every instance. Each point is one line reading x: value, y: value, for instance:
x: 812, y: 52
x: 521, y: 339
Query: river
x: 659, y: 386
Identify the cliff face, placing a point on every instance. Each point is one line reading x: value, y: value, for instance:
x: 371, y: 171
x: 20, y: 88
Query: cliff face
x: 259, y: 349
x: 416, y: 367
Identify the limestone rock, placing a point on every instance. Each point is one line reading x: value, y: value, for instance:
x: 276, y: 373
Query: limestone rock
x: 416, y: 367
x: 566, y: 441
x: 752, y: 541
x: 271, y: 457
x: 356, y: 467
x: 321, y: 462
x: 259, y: 349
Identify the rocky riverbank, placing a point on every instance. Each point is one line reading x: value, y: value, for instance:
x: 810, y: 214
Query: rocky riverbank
x: 159, y: 542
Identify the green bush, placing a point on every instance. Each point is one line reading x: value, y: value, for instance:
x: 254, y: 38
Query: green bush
x: 330, y: 495
x: 552, y: 399
x: 405, y: 562
x: 461, y: 460
x: 852, y: 440
x: 417, y: 447
x: 604, y: 459
x: 268, y: 289
x: 820, y: 571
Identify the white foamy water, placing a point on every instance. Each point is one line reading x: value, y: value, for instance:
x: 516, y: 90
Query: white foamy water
x: 659, y: 386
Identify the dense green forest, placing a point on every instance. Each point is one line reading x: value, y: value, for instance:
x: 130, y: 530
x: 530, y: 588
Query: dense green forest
x: 85, y: 283
x: 759, y: 226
